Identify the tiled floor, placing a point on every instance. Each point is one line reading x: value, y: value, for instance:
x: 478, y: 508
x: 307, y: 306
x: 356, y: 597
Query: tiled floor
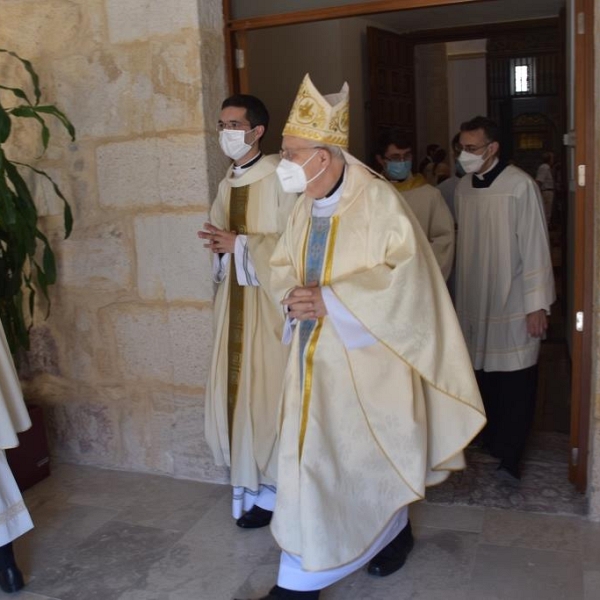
x: 109, y: 535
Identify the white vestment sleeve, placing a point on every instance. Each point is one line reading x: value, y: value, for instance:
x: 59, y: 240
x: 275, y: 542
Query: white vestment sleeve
x: 244, y: 269
x: 288, y: 330
x: 348, y: 327
x: 219, y: 267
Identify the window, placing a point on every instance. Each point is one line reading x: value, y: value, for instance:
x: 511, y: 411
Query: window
x: 522, y: 76
x: 521, y: 79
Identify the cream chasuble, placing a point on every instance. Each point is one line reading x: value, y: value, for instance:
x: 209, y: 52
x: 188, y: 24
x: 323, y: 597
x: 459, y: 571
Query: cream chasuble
x: 434, y: 216
x: 503, y: 269
x: 363, y: 430
x: 244, y: 387
x: 14, y: 418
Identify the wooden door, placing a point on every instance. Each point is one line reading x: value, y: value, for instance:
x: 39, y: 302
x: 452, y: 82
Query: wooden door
x: 391, y: 83
x: 583, y: 35
x: 392, y: 104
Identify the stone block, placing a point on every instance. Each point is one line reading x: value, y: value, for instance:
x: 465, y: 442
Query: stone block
x: 168, y: 345
x: 191, y: 455
x: 175, y: 72
x: 41, y: 28
x: 82, y: 421
x: 172, y: 263
x: 96, y: 258
x: 191, y: 333
x: 211, y: 15
x: 151, y: 87
x: 130, y: 20
x: 150, y: 172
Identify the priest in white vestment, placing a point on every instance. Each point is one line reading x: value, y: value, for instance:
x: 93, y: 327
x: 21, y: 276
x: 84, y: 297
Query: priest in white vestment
x: 14, y: 517
x: 394, y: 154
x: 379, y: 395
x: 244, y: 387
x: 504, y: 287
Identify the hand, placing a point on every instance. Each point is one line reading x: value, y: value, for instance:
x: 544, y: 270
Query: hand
x: 537, y: 323
x: 219, y: 240
x: 305, y: 303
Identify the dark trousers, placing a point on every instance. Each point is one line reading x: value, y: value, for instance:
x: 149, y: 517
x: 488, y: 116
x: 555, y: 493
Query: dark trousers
x: 509, y: 400
x: 7, y: 558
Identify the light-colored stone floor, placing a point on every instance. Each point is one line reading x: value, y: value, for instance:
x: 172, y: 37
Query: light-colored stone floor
x: 109, y: 535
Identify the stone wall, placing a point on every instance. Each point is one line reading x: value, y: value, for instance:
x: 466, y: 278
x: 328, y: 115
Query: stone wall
x: 594, y: 479
x: 121, y: 363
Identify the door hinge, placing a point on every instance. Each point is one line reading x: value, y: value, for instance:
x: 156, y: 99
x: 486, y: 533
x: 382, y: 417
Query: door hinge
x: 579, y: 320
x: 580, y: 23
x: 240, y: 62
x: 569, y: 139
x: 574, y: 456
x: 581, y: 175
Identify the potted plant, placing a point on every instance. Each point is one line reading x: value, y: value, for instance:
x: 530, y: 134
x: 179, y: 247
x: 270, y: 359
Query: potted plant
x: 27, y: 261
x: 26, y: 258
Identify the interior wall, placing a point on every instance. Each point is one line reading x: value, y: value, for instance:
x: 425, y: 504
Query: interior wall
x: 336, y: 53
x: 279, y: 57
x: 431, y: 91
x: 467, y: 91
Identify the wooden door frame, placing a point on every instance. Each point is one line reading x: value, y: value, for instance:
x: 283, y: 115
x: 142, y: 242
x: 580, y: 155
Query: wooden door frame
x: 235, y: 37
x: 235, y: 29
x: 585, y: 132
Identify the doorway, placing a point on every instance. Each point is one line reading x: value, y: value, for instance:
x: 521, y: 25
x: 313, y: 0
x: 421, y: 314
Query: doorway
x: 334, y: 52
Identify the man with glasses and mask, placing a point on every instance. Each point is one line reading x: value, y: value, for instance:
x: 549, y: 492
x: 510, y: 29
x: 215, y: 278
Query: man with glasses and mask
x: 243, y: 391
x: 394, y: 154
x: 504, y: 287
x: 379, y: 396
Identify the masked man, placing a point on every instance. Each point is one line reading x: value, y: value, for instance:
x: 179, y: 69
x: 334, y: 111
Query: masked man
x: 246, y: 220
x: 379, y: 395
x: 504, y: 286
x: 14, y: 517
x: 394, y: 154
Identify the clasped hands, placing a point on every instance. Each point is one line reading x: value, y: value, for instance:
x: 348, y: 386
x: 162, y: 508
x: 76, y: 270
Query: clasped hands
x: 305, y: 302
x: 219, y: 240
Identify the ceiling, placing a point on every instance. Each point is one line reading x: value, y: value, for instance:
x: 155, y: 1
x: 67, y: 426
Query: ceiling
x: 471, y: 13
x: 491, y: 11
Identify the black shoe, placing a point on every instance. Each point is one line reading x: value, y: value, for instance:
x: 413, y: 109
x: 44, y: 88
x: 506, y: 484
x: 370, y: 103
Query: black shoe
x: 509, y: 471
x: 256, y: 517
x: 11, y: 579
x: 394, y: 555
x: 279, y: 593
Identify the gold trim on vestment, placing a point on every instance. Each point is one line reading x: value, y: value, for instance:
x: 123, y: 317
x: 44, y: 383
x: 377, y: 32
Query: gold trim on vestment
x: 314, y: 338
x: 238, y: 201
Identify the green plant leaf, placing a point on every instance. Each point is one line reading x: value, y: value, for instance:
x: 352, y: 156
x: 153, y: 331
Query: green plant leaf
x: 43, y: 282
x: 29, y: 68
x: 67, y: 213
x: 5, y: 125
x: 48, y: 259
x: 29, y: 112
x: 52, y: 110
x: 18, y: 92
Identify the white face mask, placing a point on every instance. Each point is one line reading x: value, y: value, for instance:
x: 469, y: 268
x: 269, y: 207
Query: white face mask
x: 292, y: 176
x: 470, y: 162
x: 233, y: 143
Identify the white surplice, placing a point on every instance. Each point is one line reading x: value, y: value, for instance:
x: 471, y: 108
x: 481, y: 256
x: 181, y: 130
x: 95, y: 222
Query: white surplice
x: 503, y: 269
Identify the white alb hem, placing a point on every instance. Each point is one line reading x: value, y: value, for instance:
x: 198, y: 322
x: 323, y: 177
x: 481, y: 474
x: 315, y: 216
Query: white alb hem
x: 293, y: 577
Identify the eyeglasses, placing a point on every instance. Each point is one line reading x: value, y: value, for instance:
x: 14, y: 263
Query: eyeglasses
x: 471, y: 149
x: 235, y: 125
x: 289, y: 153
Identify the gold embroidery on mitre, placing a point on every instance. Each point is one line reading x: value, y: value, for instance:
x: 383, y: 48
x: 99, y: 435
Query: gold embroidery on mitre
x: 318, y: 118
